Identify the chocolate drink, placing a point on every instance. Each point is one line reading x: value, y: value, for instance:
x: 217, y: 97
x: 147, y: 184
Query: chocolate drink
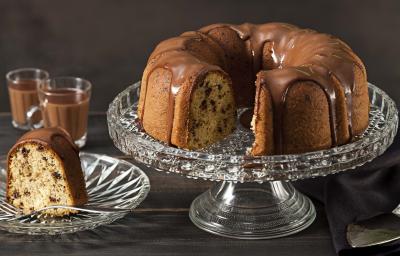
x: 67, y: 108
x: 23, y: 94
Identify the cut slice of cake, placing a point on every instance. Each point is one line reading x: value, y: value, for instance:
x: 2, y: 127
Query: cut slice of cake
x: 44, y: 169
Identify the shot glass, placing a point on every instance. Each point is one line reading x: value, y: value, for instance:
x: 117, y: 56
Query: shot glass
x: 22, y: 89
x: 64, y: 102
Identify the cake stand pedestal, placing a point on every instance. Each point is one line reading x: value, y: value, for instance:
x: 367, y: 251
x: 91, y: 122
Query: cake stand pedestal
x: 252, y: 210
x: 253, y: 197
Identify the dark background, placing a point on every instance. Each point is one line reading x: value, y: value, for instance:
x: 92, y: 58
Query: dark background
x: 108, y: 42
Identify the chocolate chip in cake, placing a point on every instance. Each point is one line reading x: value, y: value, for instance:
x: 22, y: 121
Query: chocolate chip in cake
x: 16, y: 194
x: 213, y: 106
x: 40, y: 148
x: 44, y: 158
x: 27, y: 193
x: 25, y: 152
x: 196, y: 124
x: 57, y: 175
x: 208, y: 91
x: 52, y: 199
x: 219, y: 87
x: 203, y: 105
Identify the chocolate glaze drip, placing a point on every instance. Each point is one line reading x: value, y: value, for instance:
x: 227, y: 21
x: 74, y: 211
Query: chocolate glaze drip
x: 297, y: 55
x: 58, y: 140
x: 173, y: 55
x: 278, y: 82
x: 47, y: 136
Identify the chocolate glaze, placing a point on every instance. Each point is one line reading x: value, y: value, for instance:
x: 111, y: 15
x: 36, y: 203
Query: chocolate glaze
x: 278, y: 82
x: 172, y: 55
x: 47, y: 136
x: 297, y: 54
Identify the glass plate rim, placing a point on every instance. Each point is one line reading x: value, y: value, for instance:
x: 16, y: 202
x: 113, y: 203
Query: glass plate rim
x: 205, y: 156
x: 90, y: 222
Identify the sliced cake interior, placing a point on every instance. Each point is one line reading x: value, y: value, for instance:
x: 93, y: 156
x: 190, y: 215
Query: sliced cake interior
x: 212, y: 111
x: 37, y: 178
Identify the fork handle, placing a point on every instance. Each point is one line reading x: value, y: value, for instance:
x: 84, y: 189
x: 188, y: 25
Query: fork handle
x: 92, y: 209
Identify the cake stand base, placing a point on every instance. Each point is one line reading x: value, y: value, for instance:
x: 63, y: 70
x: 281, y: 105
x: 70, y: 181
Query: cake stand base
x: 252, y: 210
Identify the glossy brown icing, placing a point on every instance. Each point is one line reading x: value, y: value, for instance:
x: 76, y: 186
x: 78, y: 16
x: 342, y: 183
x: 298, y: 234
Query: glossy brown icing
x: 297, y: 55
x: 278, y: 81
x: 48, y: 137
x: 172, y: 55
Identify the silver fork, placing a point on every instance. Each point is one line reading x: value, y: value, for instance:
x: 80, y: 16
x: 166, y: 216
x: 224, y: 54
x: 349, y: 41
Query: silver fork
x: 13, y: 211
x: 7, y: 208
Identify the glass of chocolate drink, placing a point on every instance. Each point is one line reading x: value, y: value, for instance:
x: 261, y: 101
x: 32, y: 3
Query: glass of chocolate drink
x: 64, y: 102
x: 22, y: 89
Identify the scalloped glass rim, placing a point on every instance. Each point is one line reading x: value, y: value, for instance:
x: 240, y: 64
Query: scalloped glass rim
x: 128, y: 137
x: 110, y: 182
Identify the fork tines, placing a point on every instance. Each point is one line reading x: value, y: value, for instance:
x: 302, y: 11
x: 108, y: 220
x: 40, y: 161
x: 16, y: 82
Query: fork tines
x: 7, y: 208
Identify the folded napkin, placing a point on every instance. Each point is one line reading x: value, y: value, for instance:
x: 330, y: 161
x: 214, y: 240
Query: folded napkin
x: 357, y: 195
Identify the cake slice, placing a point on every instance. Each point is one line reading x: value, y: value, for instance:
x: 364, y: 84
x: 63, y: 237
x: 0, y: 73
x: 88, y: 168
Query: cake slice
x: 44, y: 169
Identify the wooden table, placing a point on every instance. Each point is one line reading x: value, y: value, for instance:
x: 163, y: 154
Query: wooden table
x: 160, y: 226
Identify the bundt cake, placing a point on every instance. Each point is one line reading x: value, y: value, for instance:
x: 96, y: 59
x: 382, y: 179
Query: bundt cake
x: 309, y: 90
x: 44, y: 169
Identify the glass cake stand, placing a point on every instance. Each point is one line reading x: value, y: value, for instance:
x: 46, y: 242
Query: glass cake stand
x: 253, y: 197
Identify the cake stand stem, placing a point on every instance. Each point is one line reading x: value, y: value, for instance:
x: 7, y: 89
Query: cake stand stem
x: 252, y: 210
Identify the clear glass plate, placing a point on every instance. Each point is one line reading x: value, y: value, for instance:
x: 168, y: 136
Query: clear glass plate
x: 110, y: 182
x: 227, y: 160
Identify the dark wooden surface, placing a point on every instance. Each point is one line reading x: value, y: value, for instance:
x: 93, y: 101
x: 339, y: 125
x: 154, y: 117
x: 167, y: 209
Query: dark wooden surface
x: 108, y: 42
x: 160, y: 226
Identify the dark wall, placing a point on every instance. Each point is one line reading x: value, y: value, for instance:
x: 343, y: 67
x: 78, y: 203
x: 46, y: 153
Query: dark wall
x: 108, y: 42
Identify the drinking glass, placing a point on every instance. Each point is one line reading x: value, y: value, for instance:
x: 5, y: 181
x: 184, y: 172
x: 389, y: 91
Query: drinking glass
x: 64, y: 102
x: 22, y: 89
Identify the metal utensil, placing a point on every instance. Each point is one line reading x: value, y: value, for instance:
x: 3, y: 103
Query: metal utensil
x: 7, y: 208
x: 381, y: 229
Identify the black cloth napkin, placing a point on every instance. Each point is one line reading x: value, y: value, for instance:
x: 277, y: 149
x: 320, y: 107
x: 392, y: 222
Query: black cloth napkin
x: 357, y: 195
